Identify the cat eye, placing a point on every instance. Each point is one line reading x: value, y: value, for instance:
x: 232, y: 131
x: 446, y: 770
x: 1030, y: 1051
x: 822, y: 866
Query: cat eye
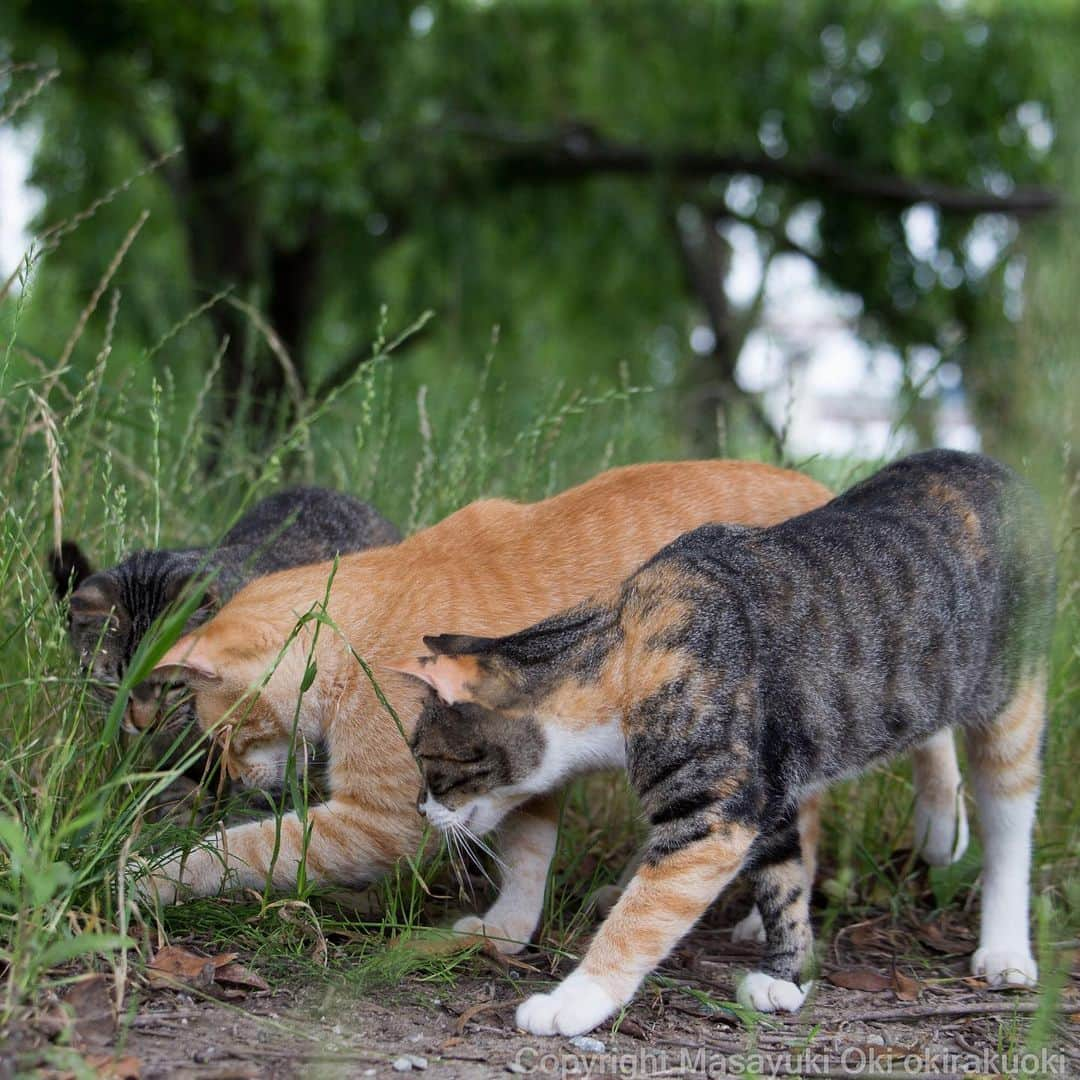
x: 441, y: 785
x: 469, y: 757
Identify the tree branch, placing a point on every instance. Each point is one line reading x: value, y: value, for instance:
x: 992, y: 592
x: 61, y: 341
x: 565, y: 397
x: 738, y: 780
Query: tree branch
x: 577, y: 152
x: 346, y: 368
x: 703, y: 266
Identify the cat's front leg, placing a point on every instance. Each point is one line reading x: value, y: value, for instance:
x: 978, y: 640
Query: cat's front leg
x: 782, y: 891
x: 526, y: 848
x: 671, y: 889
x: 342, y: 841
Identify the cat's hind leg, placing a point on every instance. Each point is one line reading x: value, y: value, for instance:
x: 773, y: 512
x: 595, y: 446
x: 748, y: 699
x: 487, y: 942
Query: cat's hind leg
x: 1005, y: 757
x: 941, y: 825
x: 526, y: 848
x: 782, y: 890
x: 752, y: 928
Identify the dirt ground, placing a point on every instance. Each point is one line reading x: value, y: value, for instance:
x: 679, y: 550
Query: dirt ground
x: 892, y: 1000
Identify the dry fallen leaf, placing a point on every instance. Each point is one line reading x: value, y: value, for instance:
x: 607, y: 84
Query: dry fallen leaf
x: 237, y: 975
x: 110, y: 1068
x: 907, y: 988
x: 90, y: 1004
x: 861, y: 978
x: 221, y: 974
x: 173, y: 964
x: 475, y: 1010
x: 932, y: 934
x: 632, y: 1028
x: 867, y: 934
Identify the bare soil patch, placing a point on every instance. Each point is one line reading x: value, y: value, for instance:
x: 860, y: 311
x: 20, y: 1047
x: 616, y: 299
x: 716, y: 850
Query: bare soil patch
x: 893, y: 999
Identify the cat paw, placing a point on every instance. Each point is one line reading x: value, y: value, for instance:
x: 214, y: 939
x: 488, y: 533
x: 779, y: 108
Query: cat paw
x: 151, y: 888
x: 1005, y: 966
x: 504, y: 941
x: 176, y: 878
x: 751, y: 929
x: 575, y: 1006
x: 941, y: 836
x: 767, y: 994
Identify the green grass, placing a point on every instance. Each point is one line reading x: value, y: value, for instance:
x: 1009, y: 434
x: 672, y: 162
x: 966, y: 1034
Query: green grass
x: 117, y: 459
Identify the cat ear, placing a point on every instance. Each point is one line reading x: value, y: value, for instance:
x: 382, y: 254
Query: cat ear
x: 97, y: 596
x: 458, y: 644
x: 69, y: 567
x: 190, y: 658
x: 453, y: 678
x: 209, y: 602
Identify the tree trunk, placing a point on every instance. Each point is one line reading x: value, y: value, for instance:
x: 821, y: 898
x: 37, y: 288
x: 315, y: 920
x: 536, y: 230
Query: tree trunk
x: 717, y: 396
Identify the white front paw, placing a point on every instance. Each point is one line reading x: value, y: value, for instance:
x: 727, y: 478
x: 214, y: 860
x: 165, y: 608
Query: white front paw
x: 503, y: 940
x: 751, y: 929
x: 767, y: 994
x: 1006, y: 966
x: 179, y: 876
x: 941, y: 836
x: 575, y: 1006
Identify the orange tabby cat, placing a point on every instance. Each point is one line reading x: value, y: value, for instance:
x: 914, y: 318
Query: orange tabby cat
x: 495, y: 565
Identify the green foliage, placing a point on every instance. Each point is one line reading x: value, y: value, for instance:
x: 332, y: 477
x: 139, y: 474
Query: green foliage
x: 338, y: 155
x: 343, y: 160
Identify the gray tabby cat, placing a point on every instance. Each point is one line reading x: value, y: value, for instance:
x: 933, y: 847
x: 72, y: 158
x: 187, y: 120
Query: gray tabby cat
x: 742, y: 669
x: 111, y: 610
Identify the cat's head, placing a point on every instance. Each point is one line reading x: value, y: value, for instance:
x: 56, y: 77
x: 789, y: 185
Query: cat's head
x: 499, y: 726
x: 247, y: 710
x: 110, y: 611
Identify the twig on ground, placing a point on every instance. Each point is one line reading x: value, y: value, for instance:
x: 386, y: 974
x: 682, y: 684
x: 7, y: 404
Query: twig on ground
x: 921, y: 1013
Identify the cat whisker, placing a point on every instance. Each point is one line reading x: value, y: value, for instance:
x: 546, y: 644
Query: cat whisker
x: 469, y: 838
x: 457, y: 864
x: 485, y: 848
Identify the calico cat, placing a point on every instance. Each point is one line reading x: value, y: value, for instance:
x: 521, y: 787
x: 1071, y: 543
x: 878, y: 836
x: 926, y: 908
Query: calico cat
x: 111, y: 610
x: 501, y: 563
x: 741, y: 669
x: 497, y: 562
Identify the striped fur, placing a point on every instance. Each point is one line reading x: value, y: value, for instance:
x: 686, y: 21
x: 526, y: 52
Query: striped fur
x: 496, y: 563
x: 742, y: 670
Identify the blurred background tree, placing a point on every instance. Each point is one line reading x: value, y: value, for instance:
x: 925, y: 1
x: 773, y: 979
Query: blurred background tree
x: 585, y: 176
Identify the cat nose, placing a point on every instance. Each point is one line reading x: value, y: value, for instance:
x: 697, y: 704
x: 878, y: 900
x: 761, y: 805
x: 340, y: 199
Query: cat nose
x: 140, y: 715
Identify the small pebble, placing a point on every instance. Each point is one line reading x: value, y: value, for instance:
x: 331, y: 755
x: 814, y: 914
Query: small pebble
x: 418, y: 1062
x: 204, y: 1054
x: 587, y: 1044
x: 402, y: 1064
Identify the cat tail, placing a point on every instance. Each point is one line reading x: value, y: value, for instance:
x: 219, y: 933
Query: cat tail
x: 69, y: 568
